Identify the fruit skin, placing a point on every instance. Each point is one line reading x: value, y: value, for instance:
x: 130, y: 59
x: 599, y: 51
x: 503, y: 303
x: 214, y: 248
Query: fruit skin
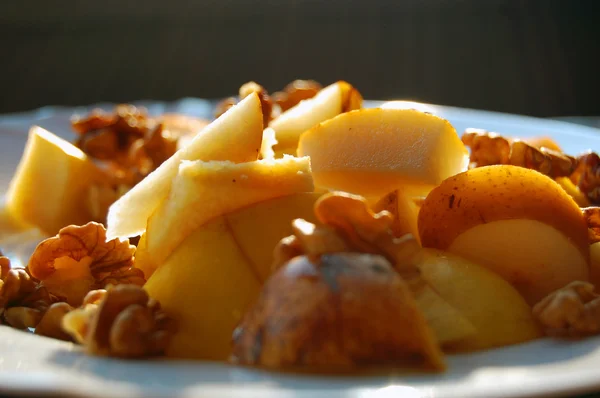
x: 205, y: 285
x: 374, y: 151
x: 330, y: 101
x: 488, y: 198
x: 204, y: 190
x: 497, y: 311
x: 50, y: 187
x: 492, y: 193
x: 235, y: 136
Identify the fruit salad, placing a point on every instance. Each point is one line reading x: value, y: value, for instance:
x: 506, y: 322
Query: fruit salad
x: 300, y: 231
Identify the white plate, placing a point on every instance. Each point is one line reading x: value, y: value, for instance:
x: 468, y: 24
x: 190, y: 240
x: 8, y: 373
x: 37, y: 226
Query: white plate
x: 36, y: 365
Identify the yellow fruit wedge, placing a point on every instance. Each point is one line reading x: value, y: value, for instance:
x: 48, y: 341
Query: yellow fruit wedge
x: 204, y: 190
x: 449, y: 326
x: 50, y: 187
x: 258, y: 228
x: 331, y: 101
x: 497, y: 311
x: 205, y: 285
x: 373, y: 151
x: 517, y: 222
x: 235, y: 136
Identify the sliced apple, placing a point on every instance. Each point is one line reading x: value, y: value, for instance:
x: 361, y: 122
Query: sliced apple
x: 235, y: 136
x: 515, y: 221
x: 449, y: 325
x: 499, y: 314
x: 373, y: 151
x: 331, y: 101
x: 50, y: 187
x: 204, y: 190
x: 205, y: 285
x: 258, y: 228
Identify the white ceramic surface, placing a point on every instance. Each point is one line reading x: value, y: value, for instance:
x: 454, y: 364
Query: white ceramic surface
x: 37, y: 365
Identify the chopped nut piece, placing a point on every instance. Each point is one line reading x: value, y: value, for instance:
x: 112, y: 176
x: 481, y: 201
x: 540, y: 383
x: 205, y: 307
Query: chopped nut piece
x: 348, y: 226
x: 592, y: 218
x: 587, y: 176
x: 490, y: 149
x: 129, y: 144
x: 4, y: 266
x: 573, y: 311
x: 296, y: 91
x: 79, y: 259
x: 22, y: 317
x: 50, y: 325
x: 125, y: 322
x: 486, y: 148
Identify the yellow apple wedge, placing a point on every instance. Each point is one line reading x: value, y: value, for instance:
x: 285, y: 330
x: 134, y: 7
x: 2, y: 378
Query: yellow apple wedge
x: 331, y: 101
x: 259, y: 227
x: 204, y: 190
x: 256, y: 229
x: 51, y: 184
x: 497, y: 311
x: 205, y: 285
x: 235, y: 136
x: 448, y: 324
x: 515, y: 221
x: 373, y: 151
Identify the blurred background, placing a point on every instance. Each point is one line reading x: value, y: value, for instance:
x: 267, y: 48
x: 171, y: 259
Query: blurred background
x: 530, y: 57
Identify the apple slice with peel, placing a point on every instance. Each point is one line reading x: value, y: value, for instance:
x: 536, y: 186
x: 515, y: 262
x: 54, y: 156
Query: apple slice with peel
x: 371, y: 152
x: 204, y: 190
x: 517, y: 222
x: 235, y: 136
x: 331, y: 101
x: 50, y: 187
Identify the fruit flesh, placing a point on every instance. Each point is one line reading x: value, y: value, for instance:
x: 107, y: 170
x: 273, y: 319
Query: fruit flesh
x: 532, y: 256
x: 497, y: 311
x: 50, y: 187
x: 259, y: 227
x: 205, y: 285
x: 374, y: 151
x: 308, y: 113
x: 235, y: 136
x: 204, y: 190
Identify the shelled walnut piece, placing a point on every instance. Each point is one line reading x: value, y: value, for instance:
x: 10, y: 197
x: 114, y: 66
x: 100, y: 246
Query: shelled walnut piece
x: 280, y: 101
x: 591, y: 215
x: 23, y: 301
x: 79, y: 259
x: 490, y: 149
x: 573, y: 311
x: 121, y: 321
x: 313, y: 313
x: 348, y: 225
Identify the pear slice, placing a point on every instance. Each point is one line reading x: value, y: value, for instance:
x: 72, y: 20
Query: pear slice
x: 235, y: 136
x: 331, y: 101
x: 50, y: 187
x: 204, y: 190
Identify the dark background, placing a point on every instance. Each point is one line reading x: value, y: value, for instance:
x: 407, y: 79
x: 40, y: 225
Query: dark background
x: 529, y: 57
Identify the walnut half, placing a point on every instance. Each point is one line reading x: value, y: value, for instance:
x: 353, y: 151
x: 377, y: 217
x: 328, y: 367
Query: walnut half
x: 121, y: 321
x: 572, y: 311
x: 79, y: 259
